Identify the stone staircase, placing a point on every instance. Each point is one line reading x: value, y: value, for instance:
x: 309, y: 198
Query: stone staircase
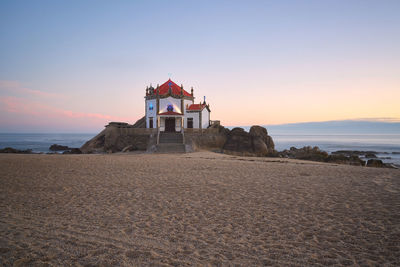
x: 171, y: 143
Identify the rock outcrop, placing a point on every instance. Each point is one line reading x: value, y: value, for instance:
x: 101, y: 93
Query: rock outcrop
x: 122, y: 137
x: 377, y: 163
x: 315, y: 154
x: 119, y: 136
x: 349, y: 153
x: 256, y: 142
x: 114, y: 139
x: 260, y: 137
x: 73, y: 151
x: 305, y: 153
x: 96, y: 144
x: 57, y: 147
x: 370, y: 156
x: 207, y: 141
x: 351, y: 160
x: 15, y: 151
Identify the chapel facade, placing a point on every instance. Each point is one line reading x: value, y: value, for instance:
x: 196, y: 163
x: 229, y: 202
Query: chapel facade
x: 170, y: 108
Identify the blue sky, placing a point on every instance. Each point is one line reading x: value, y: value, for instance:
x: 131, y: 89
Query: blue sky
x: 258, y: 62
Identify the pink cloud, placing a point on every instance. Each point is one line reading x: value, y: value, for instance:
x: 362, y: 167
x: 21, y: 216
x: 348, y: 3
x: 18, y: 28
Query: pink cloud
x: 24, y: 107
x: 16, y: 87
x: 45, y: 114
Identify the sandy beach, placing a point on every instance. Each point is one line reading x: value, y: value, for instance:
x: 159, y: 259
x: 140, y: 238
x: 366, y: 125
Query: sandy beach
x: 195, y: 209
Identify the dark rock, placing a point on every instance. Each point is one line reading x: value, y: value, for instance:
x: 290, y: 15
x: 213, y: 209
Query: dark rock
x: 346, y: 152
x: 56, y: 147
x: 342, y: 159
x: 238, y: 141
x: 211, y: 142
x: 115, y: 138
x: 375, y: 163
x: 73, y: 151
x: 15, y: 151
x: 256, y: 142
x: 370, y: 156
x: 129, y: 148
x: 354, y: 153
x: 223, y: 130
x: 305, y: 153
x: 96, y: 144
x: 356, y: 161
x: 315, y: 154
x: 261, y: 132
x: 339, y: 159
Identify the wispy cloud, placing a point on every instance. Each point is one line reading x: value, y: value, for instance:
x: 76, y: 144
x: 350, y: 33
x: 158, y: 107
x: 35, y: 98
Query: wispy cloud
x: 22, y: 107
x: 17, y: 87
x: 22, y: 102
x: 17, y: 105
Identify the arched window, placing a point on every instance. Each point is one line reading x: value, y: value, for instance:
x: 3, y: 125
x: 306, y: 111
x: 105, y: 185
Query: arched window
x: 151, y: 106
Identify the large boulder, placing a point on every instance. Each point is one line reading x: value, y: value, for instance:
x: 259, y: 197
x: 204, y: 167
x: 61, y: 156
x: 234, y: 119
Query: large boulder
x: 262, y: 133
x: 238, y: 141
x: 114, y: 138
x: 377, y: 163
x: 207, y: 141
x: 56, y: 147
x: 257, y: 142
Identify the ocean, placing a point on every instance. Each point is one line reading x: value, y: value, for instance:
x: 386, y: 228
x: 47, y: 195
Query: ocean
x: 40, y: 142
x: 385, y: 144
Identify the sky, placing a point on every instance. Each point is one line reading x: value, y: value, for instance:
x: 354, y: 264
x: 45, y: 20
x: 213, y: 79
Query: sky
x: 73, y: 66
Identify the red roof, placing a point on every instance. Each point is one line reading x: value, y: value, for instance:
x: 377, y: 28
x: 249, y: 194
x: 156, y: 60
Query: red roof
x: 196, y: 107
x: 170, y: 113
x: 176, y: 89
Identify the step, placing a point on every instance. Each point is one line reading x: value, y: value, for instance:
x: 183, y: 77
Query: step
x: 171, y: 138
x: 171, y: 148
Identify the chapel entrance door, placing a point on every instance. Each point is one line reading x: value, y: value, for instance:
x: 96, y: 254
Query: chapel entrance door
x: 170, y: 124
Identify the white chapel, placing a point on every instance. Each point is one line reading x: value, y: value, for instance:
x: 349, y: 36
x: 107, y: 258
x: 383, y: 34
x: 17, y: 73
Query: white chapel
x: 171, y: 109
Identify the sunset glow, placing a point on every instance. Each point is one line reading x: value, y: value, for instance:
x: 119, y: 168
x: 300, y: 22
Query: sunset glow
x: 73, y: 67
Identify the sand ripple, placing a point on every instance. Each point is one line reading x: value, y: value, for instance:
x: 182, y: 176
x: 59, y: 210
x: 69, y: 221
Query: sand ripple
x: 195, y: 209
